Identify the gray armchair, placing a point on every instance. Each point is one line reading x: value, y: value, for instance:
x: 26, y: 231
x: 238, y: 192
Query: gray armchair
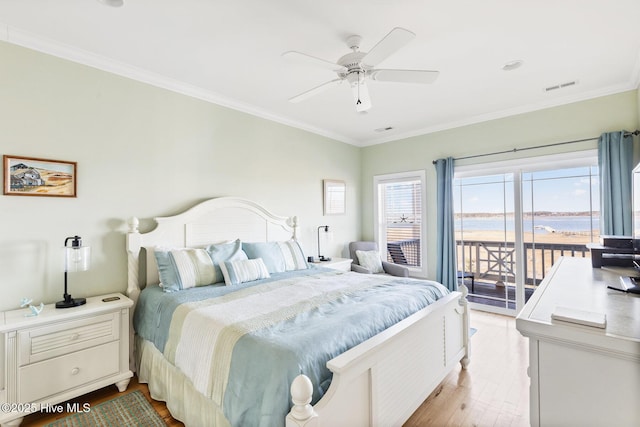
x: 389, y: 268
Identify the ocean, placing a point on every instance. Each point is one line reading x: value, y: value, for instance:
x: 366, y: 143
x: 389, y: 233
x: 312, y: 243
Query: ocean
x: 540, y: 225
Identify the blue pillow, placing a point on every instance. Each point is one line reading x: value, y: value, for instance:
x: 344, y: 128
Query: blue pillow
x: 225, y: 252
x: 166, y: 271
x: 270, y: 253
x: 184, y: 268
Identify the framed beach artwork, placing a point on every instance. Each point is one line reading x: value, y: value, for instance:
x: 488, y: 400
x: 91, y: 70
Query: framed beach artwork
x: 28, y: 176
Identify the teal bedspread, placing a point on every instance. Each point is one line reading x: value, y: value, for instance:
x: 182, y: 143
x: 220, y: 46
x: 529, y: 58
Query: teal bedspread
x: 287, y: 336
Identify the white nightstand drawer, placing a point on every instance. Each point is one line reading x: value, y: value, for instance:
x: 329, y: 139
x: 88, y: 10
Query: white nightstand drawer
x: 43, y: 379
x: 43, y: 343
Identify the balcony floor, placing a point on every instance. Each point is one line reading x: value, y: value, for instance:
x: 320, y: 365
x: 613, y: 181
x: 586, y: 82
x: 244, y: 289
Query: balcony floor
x: 488, y: 293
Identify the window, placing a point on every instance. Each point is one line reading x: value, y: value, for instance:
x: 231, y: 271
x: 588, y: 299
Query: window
x: 399, y: 218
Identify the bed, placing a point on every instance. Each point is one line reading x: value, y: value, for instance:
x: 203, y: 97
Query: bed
x: 272, y: 348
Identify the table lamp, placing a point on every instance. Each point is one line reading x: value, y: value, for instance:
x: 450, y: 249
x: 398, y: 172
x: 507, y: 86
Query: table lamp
x: 326, y: 230
x: 76, y: 258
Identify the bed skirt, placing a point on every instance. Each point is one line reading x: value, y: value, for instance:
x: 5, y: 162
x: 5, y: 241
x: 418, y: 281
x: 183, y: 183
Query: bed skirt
x: 169, y: 385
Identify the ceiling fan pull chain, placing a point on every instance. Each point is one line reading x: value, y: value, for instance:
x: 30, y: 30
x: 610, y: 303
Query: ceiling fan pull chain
x: 358, y: 102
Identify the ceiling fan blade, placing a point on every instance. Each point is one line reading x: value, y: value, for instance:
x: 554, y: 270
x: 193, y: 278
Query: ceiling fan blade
x: 404, y: 76
x: 393, y: 41
x: 312, y: 60
x: 316, y: 90
x: 361, y: 96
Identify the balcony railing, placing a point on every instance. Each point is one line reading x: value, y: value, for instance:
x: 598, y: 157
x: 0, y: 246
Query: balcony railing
x: 494, y: 261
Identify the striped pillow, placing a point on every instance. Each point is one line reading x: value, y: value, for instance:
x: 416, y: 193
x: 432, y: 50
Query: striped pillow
x: 293, y: 256
x: 184, y: 268
x: 243, y: 270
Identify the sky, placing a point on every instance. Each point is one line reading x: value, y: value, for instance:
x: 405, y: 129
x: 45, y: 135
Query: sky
x: 565, y: 190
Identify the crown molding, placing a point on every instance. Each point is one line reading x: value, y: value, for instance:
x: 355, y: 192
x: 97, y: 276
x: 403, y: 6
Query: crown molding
x: 41, y: 44
x: 70, y: 53
x: 557, y: 102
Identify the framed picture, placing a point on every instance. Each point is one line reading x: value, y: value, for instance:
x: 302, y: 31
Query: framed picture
x: 28, y: 176
x: 334, y: 197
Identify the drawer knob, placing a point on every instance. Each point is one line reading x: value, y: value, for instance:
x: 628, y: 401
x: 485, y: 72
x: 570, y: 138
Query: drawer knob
x: 75, y: 371
x: 75, y: 337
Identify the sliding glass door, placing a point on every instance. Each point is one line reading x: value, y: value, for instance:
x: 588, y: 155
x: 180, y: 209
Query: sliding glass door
x: 560, y: 216
x: 515, y: 220
x: 486, y: 236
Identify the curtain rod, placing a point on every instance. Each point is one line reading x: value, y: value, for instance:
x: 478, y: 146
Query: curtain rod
x: 514, y: 150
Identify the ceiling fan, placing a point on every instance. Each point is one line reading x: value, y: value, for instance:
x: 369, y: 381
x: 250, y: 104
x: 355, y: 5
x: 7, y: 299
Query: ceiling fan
x: 356, y: 67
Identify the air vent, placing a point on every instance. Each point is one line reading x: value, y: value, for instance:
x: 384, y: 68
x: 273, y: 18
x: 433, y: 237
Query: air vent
x: 388, y: 128
x: 512, y: 65
x: 561, y: 86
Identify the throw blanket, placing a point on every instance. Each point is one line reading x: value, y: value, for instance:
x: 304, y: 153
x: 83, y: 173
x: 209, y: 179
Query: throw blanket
x: 242, y: 346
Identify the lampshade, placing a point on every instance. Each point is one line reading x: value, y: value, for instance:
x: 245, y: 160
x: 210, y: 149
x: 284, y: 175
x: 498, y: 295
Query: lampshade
x: 76, y: 258
x: 324, y: 228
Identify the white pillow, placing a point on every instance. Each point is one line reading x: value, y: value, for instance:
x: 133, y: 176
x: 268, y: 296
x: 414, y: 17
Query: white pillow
x: 293, y: 256
x: 243, y: 270
x: 370, y: 260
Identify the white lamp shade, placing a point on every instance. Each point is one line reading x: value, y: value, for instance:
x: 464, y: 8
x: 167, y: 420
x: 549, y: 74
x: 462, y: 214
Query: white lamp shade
x: 77, y: 258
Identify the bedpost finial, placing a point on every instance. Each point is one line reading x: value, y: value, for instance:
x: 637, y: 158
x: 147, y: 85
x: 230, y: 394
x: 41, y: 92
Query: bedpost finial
x: 293, y: 223
x: 133, y: 224
x: 301, y: 393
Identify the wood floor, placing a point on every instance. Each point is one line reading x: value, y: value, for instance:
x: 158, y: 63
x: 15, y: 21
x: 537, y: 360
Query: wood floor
x: 493, y: 391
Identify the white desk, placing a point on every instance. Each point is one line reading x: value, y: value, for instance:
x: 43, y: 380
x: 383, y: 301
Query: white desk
x: 581, y: 375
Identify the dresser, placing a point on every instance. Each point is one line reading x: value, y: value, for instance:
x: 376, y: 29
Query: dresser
x: 61, y: 354
x: 583, y: 375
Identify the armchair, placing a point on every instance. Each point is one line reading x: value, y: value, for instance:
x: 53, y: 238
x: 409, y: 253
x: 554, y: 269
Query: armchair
x: 389, y: 268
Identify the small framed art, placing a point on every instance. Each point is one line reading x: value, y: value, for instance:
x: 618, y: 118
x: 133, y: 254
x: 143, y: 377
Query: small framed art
x: 28, y: 176
x: 334, y: 197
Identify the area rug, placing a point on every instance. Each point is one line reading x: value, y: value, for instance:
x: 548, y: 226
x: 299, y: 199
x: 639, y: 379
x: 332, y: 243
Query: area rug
x: 131, y: 409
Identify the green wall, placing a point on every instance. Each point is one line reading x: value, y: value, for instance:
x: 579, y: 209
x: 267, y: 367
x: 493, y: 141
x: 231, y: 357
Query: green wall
x: 143, y: 151
x: 565, y: 123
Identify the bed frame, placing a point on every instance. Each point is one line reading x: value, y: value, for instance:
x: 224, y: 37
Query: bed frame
x: 380, y: 382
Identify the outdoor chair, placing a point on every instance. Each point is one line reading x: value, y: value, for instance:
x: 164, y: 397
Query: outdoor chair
x: 466, y: 275
x: 396, y: 253
x: 371, y: 248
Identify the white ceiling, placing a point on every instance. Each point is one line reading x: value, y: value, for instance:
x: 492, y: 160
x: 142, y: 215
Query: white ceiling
x: 230, y: 53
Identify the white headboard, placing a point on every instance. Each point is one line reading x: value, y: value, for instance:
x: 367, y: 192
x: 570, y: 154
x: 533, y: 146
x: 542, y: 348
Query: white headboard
x: 212, y: 221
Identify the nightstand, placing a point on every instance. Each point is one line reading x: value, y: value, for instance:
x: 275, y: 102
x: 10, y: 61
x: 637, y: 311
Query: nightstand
x: 62, y: 353
x: 343, y: 264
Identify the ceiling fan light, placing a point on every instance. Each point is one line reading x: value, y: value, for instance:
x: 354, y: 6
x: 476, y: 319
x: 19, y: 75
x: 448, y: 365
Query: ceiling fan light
x: 112, y: 3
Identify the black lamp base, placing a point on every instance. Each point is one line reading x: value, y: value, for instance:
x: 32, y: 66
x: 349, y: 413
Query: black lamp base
x: 71, y: 302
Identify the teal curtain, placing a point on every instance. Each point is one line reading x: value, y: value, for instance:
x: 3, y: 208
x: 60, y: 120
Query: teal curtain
x: 446, y: 272
x: 615, y: 160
